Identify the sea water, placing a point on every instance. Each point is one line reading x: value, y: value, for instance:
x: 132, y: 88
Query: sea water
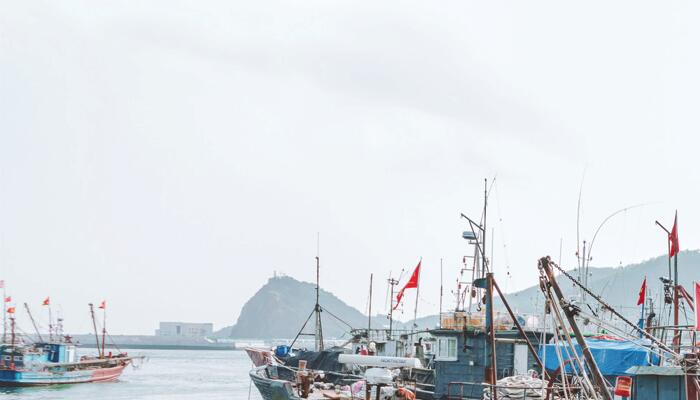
x: 164, y: 374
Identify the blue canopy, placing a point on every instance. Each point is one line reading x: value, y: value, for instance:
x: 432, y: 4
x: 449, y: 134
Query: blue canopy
x: 613, y: 357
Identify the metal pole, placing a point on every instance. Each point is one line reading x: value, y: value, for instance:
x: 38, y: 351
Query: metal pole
x: 31, y: 318
x: 491, y: 349
x: 571, y: 317
x: 584, y: 272
x: 676, y: 332
x: 392, y: 282
x: 12, y: 321
x: 94, y: 326
x: 4, y: 314
x: 50, y: 325
x: 440, y: 314
x: 104, y: 328
x: 369, y: 318
x: 302, y: 328
x: 319, y: 328
x: 483, y: 241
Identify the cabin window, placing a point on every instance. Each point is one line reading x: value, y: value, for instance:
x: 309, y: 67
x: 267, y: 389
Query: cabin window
x: 18, y: 358
x: 446, y: 349
x: 8, y: 358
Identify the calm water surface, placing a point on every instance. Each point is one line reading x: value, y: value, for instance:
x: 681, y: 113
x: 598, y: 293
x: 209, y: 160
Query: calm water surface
x: 166, y: 374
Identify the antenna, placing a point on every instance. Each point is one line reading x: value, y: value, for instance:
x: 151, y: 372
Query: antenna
x: 483, y: 228
x: 578, y: 225
x: 561, y: 241
x: 319, y: 327
x: 440, y: 314
x: 369, y: 311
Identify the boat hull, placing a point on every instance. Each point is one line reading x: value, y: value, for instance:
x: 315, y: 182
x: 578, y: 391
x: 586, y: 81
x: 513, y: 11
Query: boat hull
x: 272, y: 389
x: 43, y: 378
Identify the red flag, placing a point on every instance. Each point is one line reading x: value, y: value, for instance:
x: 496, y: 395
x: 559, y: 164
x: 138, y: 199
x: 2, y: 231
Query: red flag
x: 11, y: 310
x: 697, y: 306
x: 46, y: 302
x: 642, y: 292
x: 411, y: 284
x: 103, y: 305
x: 8, y: 299
x: 673, y: 247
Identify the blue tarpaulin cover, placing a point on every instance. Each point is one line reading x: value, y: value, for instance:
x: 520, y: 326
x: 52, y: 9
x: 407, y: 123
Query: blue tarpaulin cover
x: 613, y: 357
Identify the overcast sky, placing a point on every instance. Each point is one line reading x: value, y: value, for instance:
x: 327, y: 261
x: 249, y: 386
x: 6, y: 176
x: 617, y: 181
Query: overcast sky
x: 169, y: 156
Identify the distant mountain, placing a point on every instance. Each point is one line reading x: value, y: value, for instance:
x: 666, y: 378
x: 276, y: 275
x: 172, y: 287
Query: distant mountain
x: 281, y: 306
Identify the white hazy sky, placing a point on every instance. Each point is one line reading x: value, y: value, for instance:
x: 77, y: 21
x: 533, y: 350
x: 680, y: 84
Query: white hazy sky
x: 169, y: 156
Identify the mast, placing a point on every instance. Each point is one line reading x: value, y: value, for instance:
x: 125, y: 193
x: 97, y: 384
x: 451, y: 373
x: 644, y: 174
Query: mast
x: 584, y: 273
x: 4, y: 313
x: 59, y: 328
x: 317, y: 309
x: 676, y: 332
x: 440, y: 312
x: 484, y: 263
x: 392, y: 282
x: 31, y: 318
x: 12, y: 322
x: 491, y: 367
x: 94, y: 326
x: 50, y: 324
x: 104, y: 327
x: 676, y: 284
x: 369, y: 311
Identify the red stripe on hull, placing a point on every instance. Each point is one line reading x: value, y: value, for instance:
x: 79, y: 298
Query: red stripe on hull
x: 107, y: 374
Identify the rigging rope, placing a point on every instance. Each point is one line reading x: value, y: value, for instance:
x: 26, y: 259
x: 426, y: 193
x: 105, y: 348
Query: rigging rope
x: 613, y: 311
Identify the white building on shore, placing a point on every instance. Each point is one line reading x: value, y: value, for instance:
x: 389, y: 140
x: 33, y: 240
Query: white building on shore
x: 185, y: 329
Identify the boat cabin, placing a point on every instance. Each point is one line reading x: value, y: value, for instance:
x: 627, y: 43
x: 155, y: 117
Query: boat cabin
x: 460, y: 357
x: 21, y: 356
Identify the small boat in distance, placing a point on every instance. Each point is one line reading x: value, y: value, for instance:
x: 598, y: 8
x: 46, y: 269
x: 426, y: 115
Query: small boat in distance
x: 55, y: 362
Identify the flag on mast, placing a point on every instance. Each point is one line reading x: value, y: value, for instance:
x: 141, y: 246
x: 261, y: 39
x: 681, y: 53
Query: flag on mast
x: 673, y: 247
x: 11, y: 310
x: 642, y: 292
x: 411, y: 284
x: 8, y: 299
x: 46, y: 302
x: 103, y: 305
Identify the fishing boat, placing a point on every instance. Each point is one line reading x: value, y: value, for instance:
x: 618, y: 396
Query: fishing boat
x: 55, y: 362
x: 378, y: 381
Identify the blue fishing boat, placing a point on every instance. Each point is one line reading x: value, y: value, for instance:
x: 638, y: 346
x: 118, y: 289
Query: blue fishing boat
x: 56, y: 363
